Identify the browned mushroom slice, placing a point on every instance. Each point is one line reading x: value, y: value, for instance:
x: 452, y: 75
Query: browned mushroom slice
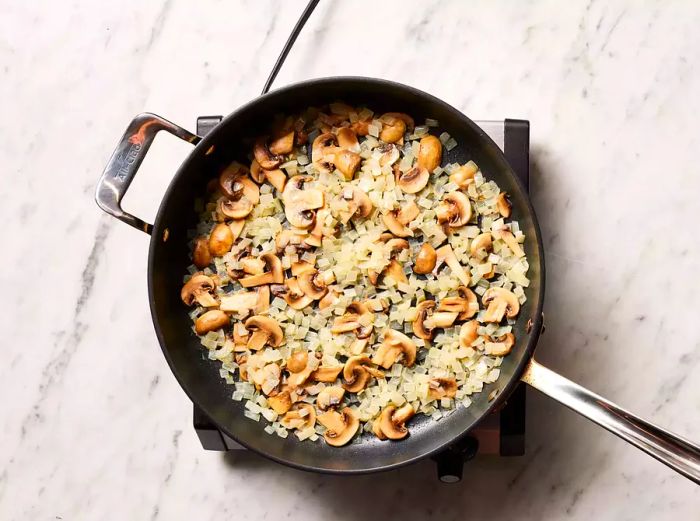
x: 440, y: 319
x: 300, y: 416
x: 264, y: 156
x: 423, y: 310
x: 228, y: 178
x: 503, y: 205
x: 500, y: 302
x: 392, y: 421
x: 340, y: 426
x: 200, y: 289
x: 465, y: 304
x: 220, y: 240
x: 347, y: 163
x: 276, y: 178
x: 274, y: 274
x: 464, y: 175
x: 393, y: 128
x: 394, y: 271
x: 481, y: 245
x: 357, y: 318
x: 395, y: 226
x: 355, y: 375
x: 298, y: 361
x: 201, y: 256
x: 395, y: 346
x: 263, y: 302
x: 323, y: 151
x: 264, y: 331
x: 252, y: 265
x: 359, y: 204
x: 447, y: 255
x: 442, y: 388
x: 282, y: 144
x: 429, y: 153
x: 500, y: 346
x: 211, y: 321
x: 425, y: 260
x: 468, y: 333
x: 313, y: 284
x: 330, y: 298
x: 347, y: 139
x: 326, y: 374
x: 506, y: 236
x: 257, y: 173
x: 301, y: 201
x: 281, y: 402
x: 454, y: 210
x: 239, y: 302
x: 236, y: 227
x: 294, y: 296
x: 413, y: 181
x: 330, y: 396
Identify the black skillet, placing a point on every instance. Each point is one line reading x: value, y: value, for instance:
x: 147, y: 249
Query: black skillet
x: 168, y: 259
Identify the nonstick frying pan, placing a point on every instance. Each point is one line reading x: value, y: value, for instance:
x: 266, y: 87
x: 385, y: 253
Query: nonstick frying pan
x: 168, y: 259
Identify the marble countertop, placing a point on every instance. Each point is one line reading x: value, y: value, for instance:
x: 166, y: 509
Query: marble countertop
x: 93, y: 424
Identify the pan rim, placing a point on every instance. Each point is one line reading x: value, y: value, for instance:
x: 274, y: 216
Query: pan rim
x: 507, y: 389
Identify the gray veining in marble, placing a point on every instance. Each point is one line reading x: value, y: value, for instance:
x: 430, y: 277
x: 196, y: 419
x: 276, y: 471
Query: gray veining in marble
x: 94, y: 426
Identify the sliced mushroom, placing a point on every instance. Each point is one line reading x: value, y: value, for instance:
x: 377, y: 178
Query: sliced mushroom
x: 300, y: 202
x: 300, y: 267
x: 296, y: 380
x: 464, y: 175
x: 393, y: 128
x: 394, y: 271
x: 211, y: 321
x: 465, y: 304
x: 429, y: 153
x: 264, y: 331
x: 442, y: 388
x: 323, y: 151
x: 340, y: 426
x: 282, y: 144
x: 503, y: 205
x: 500, y: 301
x: 454, y: 210
x: 355, y: 373
x: 447, y: 255
x: 240, y: 337
x: 236, y: 227
x: 312, y: 284
x: 276, y: 178
x: 506, y: 236
x: 357, y: 318
x: 423, y: 311
x: 200, y: 288
x: 413, y: 181
x: 228, y: 178
x: 201, y: 256
x: 264, y: 156
x: 326, y: 374
x: 425, y: 260
x: 298, y: 361
x: 408, y: 212
x: 239, y: 302
x: 281, y: 402
x: 263, y: 303
x: 330, y: 396
x: 359, y: 204
x: 347, y: 163
x: 394, y: 225
x: 330, y: 298
x: 440, y: 319
x: 273, y: 274
x: 266, y: 378
x: 468, y: 333
x: 392, y: 421
x: 252, y: 265
x: 257, y: 173
x: 395, y: 346
x: 220, y: 240
x: 236, y: 209
x: 294, y: 296
x: 347, y: 139
x: 481, y: 245
x: 501, y: 346
x: 301, y: 416
x: 287, y: 238
x: 361, y: 127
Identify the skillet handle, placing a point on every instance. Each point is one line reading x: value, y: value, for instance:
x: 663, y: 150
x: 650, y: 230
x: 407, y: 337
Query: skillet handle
x: 681, y: 455
x: 125, y: 162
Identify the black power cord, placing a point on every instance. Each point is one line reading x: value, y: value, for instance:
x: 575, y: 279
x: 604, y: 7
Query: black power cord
x: 287, y: 46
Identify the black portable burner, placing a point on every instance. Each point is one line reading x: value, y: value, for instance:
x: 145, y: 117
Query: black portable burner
x: 500, y: 434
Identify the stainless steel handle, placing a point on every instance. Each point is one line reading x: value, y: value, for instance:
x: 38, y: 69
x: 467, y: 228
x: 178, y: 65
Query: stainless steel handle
x: 127, y: 159
x: 681, y: 455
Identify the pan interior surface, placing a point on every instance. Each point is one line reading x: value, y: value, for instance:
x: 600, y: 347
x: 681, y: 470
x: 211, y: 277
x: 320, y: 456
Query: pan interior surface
x: 168, y: 260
